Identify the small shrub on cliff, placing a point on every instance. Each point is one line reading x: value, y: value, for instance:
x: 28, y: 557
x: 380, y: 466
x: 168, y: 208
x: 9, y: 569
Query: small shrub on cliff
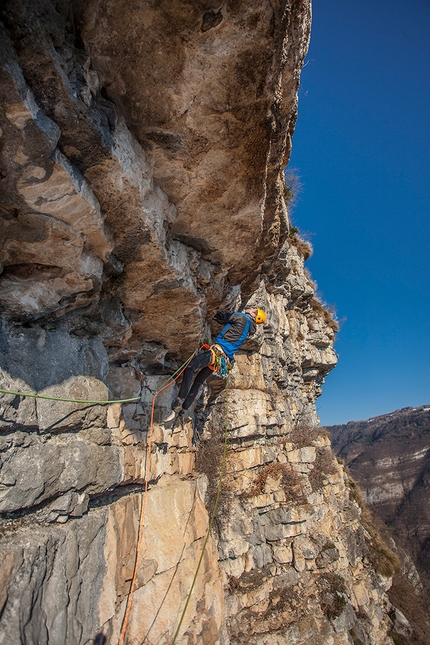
x: 303, y: 434
x: 291, y: 189
x: 324, y: 464
x: 292, y: 186
x: 290, y: 481
x: 285, y: 603
x: 382, y: 558
x: 303, y: 247
x: 327, y: 312
x: 414, y: 605
x: 233, y: 583
x: 332, y: 594
x: 208, y: 461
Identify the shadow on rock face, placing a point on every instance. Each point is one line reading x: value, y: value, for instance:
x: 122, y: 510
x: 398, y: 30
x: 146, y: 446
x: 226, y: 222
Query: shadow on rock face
x: 43, y: 358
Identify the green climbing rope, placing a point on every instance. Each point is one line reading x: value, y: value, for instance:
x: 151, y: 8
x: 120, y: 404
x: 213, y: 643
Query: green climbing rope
x: 33, y: 395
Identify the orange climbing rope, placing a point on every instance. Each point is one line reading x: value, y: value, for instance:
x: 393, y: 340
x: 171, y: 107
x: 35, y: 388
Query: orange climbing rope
x: 143, y: 506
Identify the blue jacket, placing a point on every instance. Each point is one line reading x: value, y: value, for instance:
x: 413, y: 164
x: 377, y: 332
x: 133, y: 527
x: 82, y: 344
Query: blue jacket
x: 239, y: 326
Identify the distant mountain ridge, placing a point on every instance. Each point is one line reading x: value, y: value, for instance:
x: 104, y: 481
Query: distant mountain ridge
x: 389, y: 457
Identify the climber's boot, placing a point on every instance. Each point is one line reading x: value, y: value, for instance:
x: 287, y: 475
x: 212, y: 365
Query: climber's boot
x: 176, y: 410
x: 184, y: 415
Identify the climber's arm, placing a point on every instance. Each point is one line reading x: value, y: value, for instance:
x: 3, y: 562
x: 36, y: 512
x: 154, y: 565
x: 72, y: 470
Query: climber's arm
x: 223, y: 317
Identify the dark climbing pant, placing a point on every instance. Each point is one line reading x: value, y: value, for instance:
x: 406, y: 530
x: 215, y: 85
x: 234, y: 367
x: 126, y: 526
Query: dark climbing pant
x: 199, y: 366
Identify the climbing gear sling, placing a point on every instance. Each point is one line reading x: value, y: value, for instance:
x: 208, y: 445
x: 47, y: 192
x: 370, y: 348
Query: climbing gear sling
x: 220, y: 364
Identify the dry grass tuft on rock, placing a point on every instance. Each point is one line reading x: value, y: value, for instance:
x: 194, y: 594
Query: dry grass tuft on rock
x: 292, y: 187
x: 286, y: 605
x: 303, y: 247
x: 290, y: 481
x: 383, y: 559
x: 332, y: 594
x: 208, y: 461
x: 324, y: 465
x: 414, y: 605
x: 325, y: 313
x: 303, y: 434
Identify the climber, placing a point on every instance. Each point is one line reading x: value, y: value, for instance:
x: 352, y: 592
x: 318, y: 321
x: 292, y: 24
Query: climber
x: 239, y: 326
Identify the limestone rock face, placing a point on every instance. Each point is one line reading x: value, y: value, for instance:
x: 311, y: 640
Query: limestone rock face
x: 141, y: 168
x: 209, y: 89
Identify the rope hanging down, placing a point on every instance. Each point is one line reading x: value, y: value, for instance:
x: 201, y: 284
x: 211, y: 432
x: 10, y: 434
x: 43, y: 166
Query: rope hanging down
x: 142, y: 517
x: 221, y: 476
x: 145, y: 495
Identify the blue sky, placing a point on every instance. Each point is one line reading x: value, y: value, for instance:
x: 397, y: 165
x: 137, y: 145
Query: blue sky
x: 362, y: 150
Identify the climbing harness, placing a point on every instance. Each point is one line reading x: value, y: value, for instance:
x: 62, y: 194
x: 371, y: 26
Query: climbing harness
x: 221, y: 364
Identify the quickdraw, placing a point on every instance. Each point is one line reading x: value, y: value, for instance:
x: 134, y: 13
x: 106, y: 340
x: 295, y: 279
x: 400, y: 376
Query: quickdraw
x: 221, y: 365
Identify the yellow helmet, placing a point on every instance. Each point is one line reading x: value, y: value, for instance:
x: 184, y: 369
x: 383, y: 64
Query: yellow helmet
x: 260, y: 316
